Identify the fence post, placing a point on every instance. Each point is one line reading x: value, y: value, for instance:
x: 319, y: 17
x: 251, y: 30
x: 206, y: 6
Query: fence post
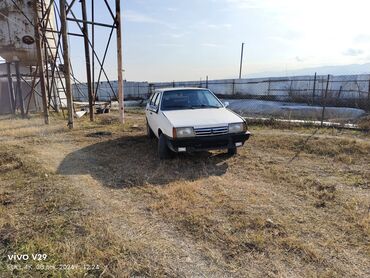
x: 13, y: 104
x: 233, y: 87
x: 314, y: 89
x: 19, y: 89
x: 291, y: 97
x: 151, y: 89
x: 324, y: 103
x: 338, y: 97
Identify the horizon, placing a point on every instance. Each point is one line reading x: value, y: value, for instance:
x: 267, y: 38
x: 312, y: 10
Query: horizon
x: 340, y: 70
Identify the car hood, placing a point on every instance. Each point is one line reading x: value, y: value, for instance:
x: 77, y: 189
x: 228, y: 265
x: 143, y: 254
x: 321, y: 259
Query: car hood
x: 201, y: 117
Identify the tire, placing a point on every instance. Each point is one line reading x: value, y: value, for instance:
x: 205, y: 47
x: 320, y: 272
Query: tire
x: 163, y: 151
x: 149, y: 131
x: 232, y: 151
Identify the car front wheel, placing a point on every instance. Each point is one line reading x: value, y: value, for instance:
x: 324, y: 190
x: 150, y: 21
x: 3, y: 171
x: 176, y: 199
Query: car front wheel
x: 163, y: 150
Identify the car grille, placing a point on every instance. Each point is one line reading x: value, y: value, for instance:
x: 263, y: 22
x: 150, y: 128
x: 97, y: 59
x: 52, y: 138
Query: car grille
x: 209, y: 131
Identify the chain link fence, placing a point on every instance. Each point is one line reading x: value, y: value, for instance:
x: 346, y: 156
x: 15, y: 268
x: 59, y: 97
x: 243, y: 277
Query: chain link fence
x: 341, y: 100
x: 324, y: 100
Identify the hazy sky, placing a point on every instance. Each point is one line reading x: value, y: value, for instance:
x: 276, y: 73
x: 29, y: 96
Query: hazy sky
x: 166, y: 40
x: 179, y: 40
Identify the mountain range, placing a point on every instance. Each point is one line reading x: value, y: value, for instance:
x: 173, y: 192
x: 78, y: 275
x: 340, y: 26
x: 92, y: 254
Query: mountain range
x: 324, y: 70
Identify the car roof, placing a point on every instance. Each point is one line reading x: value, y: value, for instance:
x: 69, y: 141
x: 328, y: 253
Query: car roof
x: 180, y: 89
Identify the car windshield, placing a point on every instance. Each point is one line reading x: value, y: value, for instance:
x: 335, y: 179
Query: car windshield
x: 189, y: 99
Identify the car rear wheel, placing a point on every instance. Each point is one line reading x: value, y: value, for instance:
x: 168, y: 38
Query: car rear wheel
x: 149, y: 131
x: 232, y: 151
x: 163, y: 150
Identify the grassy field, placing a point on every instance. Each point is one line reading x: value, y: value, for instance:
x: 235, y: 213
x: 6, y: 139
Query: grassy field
x: 294, y: 202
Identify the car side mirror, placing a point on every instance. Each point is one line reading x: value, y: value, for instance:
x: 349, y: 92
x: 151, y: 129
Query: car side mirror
x: 226, y: 103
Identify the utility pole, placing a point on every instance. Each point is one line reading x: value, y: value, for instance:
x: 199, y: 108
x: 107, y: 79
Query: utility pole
x: 40, y: 62
x: 119, y: 61
x: 67, y: 67
x: 241, y: 61
x: 314, y: 89
x: 87, y: 60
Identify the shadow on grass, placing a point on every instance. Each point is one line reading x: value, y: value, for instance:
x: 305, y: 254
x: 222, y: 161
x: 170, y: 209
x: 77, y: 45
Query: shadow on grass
x: 133, y: 161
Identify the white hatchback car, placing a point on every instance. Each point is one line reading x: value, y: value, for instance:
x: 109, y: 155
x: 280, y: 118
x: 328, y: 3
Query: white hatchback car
x: 193, y: 119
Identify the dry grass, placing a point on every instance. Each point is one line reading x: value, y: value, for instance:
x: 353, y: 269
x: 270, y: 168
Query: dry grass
x: 108, y: 200
x: 364, y: 123
x: 42, y: 214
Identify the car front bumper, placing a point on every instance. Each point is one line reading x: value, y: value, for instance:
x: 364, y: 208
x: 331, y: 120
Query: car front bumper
x: 202, y: 143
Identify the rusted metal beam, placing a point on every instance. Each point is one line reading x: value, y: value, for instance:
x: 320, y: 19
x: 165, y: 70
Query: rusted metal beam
x: 119, y: 61
x: 41, y: 63
x: 67, y: 67
x: 43, y: 22
x: 109, y: 9
x: 90, y: 22
x: 69, y: 33
x: 92, y: 44
x: 32, y: 90
x: 95, y: 56
x: 87, y: 60
x: 103, y: 61
x: 70, y: 6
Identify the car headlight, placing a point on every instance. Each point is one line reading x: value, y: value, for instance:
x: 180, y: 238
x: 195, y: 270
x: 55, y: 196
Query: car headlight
x: 183, y: 132
x: 237, y: 128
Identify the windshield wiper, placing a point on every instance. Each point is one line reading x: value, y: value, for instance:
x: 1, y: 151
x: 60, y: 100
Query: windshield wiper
x: 204, y: 106
x: 176, y: 107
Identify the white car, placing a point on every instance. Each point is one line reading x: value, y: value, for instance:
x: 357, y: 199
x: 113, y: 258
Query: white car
x: 193, y: 119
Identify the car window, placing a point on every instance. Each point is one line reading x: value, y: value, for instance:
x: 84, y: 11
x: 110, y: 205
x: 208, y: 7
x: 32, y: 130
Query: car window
x: 189, y: 99
x: 156, y: 102
x: 151, y: 96
x: 152, y: 101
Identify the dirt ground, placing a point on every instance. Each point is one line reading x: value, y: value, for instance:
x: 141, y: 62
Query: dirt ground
x: 294, y: 202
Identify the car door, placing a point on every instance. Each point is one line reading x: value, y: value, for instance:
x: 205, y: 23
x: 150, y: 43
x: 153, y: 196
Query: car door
x: 147, y: 110
x: 152, y: 112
